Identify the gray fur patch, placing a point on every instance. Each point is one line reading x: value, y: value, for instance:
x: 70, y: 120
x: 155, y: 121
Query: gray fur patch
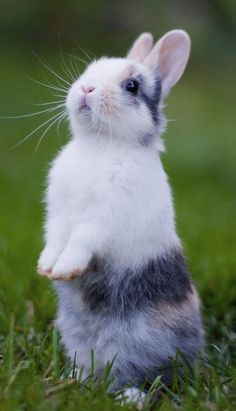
x: 142, y: 317
x: 162, y: 280
x: 146, y: 139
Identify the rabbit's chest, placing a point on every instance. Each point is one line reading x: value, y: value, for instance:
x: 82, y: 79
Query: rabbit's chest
x: 91, y: 179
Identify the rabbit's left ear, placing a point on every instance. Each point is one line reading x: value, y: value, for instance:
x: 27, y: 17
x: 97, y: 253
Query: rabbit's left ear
x: 169, y: 57
x: 141, y: 47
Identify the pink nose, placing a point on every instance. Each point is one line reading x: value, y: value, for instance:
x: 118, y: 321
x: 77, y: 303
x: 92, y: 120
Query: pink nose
x: 87, y: 90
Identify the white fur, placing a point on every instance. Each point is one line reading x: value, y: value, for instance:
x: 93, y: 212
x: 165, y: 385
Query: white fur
x: 107, y: 194
x: 133, y: 395
x: 110, y: 115
x: 107, y: 199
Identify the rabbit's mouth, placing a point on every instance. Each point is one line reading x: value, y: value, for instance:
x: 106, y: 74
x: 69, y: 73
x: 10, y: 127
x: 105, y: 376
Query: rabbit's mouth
x: 84, y: 105
x: 85, y: 108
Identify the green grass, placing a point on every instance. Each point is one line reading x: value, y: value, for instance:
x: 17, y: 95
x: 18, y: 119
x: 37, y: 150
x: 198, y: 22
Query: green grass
x: 201, y: 163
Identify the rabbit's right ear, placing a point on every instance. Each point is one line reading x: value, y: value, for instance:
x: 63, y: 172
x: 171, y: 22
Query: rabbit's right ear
x: 169, y: 56
x: 141, y: 47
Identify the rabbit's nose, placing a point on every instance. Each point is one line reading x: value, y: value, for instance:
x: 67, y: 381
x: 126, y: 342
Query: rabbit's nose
x: 87, y: 90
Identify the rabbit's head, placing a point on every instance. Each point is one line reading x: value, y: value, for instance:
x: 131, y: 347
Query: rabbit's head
x: 121, y: 98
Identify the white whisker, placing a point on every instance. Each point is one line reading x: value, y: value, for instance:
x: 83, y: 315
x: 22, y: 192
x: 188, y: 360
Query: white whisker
x: 110, y: 129
x: 60, y: 95
x: 100, y: 128
x: 49, y: 110
x: 34, y: 131
x: 78, y: 58
x: 67, y: 72
x: 83, y: 50
x: 47, y: 129
x: 93, y: 127
x: 48, y: 85
x: 65, y: 68
x: 60, y: 121
x: 51, y: 70
x: 169, y: 120
x: 75, y: 69
x: 49, y: 103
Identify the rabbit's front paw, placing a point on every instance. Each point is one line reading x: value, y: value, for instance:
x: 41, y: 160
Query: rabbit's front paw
x: 47, y: 260
x: 70, y: 265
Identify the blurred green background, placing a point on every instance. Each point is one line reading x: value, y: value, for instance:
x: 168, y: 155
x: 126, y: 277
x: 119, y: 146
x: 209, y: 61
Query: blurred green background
x: 200, y: 160
x: 201, y: 141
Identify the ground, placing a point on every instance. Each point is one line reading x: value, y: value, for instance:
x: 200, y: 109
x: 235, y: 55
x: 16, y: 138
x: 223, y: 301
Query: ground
x: 201, y: 163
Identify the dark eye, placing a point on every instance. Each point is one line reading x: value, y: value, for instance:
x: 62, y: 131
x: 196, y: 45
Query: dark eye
x: 132, y: 86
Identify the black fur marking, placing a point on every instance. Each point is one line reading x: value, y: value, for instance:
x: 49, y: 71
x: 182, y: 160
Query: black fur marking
x: 146, y: 139
x: 153, y: 100
x: 162, y: 280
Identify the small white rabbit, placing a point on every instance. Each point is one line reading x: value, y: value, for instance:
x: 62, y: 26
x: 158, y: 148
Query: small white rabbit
x: 110, y: 221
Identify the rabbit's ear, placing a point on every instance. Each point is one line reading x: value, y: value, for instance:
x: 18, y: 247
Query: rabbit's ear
x: 141, y: 47
x: 170, y: 56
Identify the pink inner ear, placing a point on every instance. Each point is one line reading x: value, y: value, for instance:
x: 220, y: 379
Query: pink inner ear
x: 170, y: 55
x: 169, y: 59
x: 141, y: 47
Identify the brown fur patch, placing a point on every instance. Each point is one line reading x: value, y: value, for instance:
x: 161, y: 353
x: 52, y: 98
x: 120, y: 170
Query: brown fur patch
x: 172, y: 314
x: 107, y: 100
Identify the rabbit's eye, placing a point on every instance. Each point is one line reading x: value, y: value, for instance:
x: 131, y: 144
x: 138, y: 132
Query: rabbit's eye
x: 132, y: 86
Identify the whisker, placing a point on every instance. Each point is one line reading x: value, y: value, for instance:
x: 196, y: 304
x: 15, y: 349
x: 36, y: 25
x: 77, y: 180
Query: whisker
x: 64, y: 66
x: 48, y: 110
x: 61, y: 85
x: 72, y: 74
x: 33, y: 132
x: 100, y: 128
x: 59, y: 122
x: 93, y: 126
x: 48, y: 85
x: 169, y: 120
x: 77, y: 58
x: 75, y: 69
x: 51, y: 70
x: 87, y: 117
x: 83, y: 50
x: 67, y: 72
x: 45, y: 131
x: 86, y: 54
x: 49, y: 103
x: 63, y: 88
x: 110, y: 129
x: 59, y: 95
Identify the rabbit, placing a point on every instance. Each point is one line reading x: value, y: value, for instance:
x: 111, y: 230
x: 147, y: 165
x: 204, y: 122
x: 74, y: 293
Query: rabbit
x: 112, y: 250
